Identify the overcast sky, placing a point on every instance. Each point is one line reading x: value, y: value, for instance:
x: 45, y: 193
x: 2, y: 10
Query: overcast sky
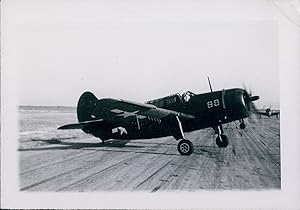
x: 140, y: 52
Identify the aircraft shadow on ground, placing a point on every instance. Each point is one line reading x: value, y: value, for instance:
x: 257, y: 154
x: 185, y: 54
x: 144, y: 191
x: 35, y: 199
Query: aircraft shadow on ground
x: 77, y: 145
x: 109, y: 145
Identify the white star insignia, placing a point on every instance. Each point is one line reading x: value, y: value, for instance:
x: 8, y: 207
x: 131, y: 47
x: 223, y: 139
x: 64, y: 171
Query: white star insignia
x: 120, y: 130
x: 121, y: 113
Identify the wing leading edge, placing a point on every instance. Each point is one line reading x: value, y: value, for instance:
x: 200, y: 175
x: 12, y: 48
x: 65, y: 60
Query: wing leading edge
x: 81, y: 125
x: 149, y: 110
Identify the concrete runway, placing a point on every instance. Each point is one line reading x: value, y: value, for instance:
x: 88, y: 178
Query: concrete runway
x: 251, y: 161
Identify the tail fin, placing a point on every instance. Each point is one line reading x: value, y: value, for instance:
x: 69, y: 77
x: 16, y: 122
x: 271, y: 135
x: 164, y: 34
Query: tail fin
x: 85, y: 107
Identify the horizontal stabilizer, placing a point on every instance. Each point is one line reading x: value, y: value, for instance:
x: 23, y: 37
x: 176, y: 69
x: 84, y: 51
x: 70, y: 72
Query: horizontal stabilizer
x: 81, y: 125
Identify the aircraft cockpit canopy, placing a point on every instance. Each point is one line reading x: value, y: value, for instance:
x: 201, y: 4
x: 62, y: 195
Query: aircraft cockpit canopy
x: 187, y: 96
x: 172, y: 99
x: 189, y: 93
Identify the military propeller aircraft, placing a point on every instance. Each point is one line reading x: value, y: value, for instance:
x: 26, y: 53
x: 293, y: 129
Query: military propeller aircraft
x: 268, y: 112
x: 172, y: 115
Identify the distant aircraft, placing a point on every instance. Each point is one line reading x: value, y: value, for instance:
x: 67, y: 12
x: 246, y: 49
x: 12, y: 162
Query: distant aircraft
x: 268, y: 112
x: 168, y: 116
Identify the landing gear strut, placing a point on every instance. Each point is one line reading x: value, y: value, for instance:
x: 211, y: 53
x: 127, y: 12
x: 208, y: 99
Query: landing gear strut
x: 221, y: 140
x: 184, y: 147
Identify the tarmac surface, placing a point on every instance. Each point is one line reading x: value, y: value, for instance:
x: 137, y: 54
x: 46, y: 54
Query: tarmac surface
x: 79, y: 162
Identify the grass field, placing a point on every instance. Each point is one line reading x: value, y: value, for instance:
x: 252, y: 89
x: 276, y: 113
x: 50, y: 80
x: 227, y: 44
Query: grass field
x: 55, y: 160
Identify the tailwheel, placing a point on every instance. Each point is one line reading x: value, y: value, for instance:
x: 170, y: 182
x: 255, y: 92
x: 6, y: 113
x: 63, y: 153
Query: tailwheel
x: 185, y: 147
x: 222, y: 140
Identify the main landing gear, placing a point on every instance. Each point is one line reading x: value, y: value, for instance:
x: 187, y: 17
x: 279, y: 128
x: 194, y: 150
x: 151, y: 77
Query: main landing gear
x: 221, y: 140
x: 184, y: 147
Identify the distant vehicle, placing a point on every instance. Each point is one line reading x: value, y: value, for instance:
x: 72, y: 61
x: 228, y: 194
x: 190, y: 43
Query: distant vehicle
x: 168, y: 116
x: 268, y: 112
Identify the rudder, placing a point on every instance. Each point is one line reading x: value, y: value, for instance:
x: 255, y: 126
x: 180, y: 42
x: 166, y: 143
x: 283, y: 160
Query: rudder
x: 85, y: 106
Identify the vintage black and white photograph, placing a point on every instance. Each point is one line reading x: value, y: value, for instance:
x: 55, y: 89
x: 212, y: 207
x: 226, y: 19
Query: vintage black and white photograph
x: 128, y: 106
x: 146, y: 97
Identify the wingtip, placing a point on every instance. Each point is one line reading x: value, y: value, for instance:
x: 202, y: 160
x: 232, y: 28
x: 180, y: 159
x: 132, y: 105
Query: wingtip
x: 60, y: 128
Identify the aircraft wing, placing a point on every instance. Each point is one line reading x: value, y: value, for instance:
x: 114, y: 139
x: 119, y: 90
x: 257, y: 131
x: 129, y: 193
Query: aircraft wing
x: 125, y: 108
x: 81, y: 125
x: 263, y: 112
x: 275, y: 113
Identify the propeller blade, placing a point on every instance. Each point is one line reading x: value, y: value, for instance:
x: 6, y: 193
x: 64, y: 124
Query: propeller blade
x: 253, y: 117
x: 254, y: 98
x: 249, y: 101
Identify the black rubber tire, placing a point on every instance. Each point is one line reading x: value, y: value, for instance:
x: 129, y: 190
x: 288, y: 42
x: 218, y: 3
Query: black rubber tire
x: 242, y: 126
x: 222, y: 141
x: 185, y: 147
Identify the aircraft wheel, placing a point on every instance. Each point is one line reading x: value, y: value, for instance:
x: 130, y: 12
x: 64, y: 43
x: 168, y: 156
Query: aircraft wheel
x: 222, y: 141
x: 185, y: 147
x: 242, y: 126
